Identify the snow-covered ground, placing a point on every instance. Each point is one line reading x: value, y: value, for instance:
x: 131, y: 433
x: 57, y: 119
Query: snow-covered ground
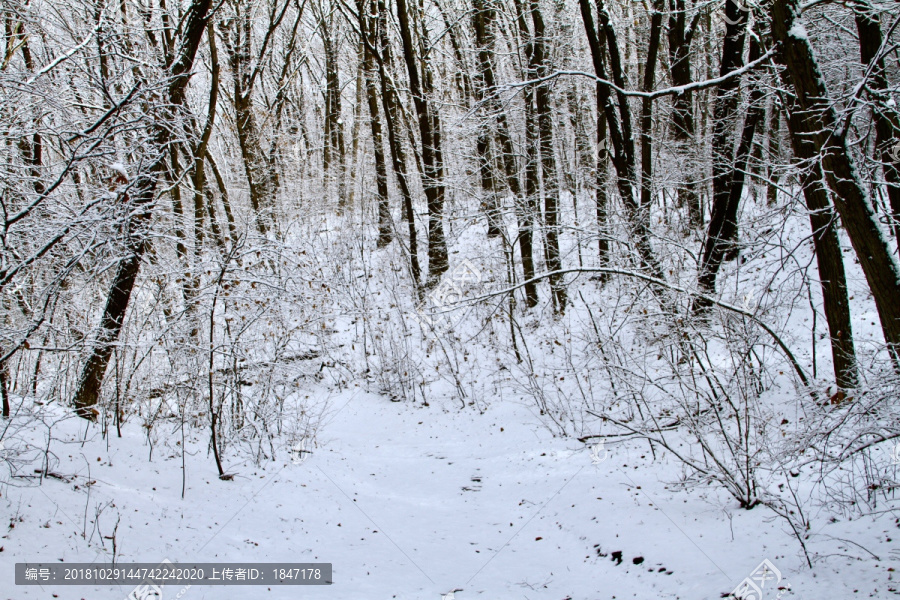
x: 411, y: 502
x: 473, y: 490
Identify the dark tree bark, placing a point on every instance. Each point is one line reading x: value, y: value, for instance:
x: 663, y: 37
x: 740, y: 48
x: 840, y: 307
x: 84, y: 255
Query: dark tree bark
x: 543, y: 105
x: 385, y: 227
x: 481, y: 21
x: 773, y: 151
x: 389, y: 103
x: 485, y: 10
x: 602, y: 176
x: 886, y: 125
x: 721, y: 233
x: 683, y: 104
x: 647, y: 108
x: 829, y: 258
x: 4, y: 389
x: 335, y: 156
x: 816, y: 115
x: 429, y: 130
x: 88, y: 390
x: 597, y: 45
x: 618, y: 130
x: 532, y: 151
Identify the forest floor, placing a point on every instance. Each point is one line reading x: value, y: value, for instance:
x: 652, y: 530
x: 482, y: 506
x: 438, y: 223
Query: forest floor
x: 410, y: 502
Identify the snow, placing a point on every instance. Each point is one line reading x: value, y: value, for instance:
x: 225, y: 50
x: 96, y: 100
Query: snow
x: 438, y: 454
x: 120, y: 169
x: 483, y: 500
x: 480, y: 500
x: 416, y: 502
x: 409, y: 502
x: 798, y: 31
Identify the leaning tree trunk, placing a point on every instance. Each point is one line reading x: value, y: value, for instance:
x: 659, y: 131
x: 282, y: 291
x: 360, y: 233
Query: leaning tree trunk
x: 720, y: 240
x: 829, y: 258
x: 816, y: 115
x: 88, y: 390
x: 886, y: 125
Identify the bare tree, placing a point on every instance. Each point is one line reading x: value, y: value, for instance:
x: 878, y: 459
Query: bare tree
x: 430, y: 132
x: 850, y: 199
x: 144, y: 191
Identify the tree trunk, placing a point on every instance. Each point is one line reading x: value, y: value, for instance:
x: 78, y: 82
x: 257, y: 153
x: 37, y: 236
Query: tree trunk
x: 602, y: 175
x: 619, y: 131
x: 334, y: 150
x: 524, y: 215
x: 683, y: 105
x: 817, y: 116
x: 544, y: 109
x: 389, y: 103
x: 354, y: 175
x: 385, y: 226
x: 226, y: 202
x: 483, y: 40
x: 429, y: 129
x: 88, y: 390
x: 721, y: 233
x: 462, y: 78
x: 773, y: 152
x: 4, y: 388
x: 829, y: 258
x: 886, y: 125
x: 237, y: 34
x: 199, y: 179
x: 647, y: 109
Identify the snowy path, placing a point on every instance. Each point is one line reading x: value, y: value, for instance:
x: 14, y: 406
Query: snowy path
x: 409, y: 502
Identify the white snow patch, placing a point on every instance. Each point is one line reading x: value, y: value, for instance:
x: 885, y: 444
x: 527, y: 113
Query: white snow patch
x: 120, y: 169
x: 798, y: 31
